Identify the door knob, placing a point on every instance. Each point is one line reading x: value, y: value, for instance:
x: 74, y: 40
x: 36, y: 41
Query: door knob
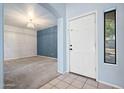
x: 70, y: 48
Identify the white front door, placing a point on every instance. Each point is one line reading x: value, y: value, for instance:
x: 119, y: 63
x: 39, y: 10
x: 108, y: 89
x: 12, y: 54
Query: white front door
x: 82, y: 41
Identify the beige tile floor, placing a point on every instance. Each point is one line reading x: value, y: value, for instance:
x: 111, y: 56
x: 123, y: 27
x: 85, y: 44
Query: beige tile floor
x: 73, y: 81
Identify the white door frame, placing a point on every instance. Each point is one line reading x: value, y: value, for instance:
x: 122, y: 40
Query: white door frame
x: 1, y: 46
x: 68, y: 41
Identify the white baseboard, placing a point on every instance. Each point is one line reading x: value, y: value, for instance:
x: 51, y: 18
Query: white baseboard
x: 27, y: 57
x: 18, y: 58
x: 109, y: 84
x: 47, y: 56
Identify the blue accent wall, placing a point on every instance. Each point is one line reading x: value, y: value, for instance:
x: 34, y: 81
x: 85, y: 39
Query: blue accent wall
x: 47, y: 42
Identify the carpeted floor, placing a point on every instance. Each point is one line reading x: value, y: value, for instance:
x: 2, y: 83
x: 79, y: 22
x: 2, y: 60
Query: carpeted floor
x: 29, y: 73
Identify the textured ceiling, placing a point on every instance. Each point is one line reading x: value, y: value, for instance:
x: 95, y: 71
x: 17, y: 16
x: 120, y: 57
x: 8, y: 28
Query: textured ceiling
x: 18, y: 15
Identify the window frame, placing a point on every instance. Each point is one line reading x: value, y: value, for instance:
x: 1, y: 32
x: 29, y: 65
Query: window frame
x: 114, y: 10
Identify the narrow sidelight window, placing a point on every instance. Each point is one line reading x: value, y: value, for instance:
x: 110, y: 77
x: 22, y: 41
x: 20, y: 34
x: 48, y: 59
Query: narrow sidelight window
x: 110, y: 37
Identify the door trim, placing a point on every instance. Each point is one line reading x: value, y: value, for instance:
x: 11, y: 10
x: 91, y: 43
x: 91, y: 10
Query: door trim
x: 96, y: 40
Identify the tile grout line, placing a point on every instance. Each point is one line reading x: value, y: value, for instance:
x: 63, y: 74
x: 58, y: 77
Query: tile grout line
x: 70, y: 84
x: 49, y: 81
x: 67, y: 82
x: 72, y: 81
x: 61, y: 80
x: 84, y: 83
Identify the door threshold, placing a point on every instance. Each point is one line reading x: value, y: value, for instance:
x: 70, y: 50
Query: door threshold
x: 83, y: 76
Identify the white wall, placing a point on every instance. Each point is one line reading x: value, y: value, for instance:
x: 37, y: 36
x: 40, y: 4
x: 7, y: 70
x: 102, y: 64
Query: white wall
x: 19, y: 42
x: 107, y: 73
